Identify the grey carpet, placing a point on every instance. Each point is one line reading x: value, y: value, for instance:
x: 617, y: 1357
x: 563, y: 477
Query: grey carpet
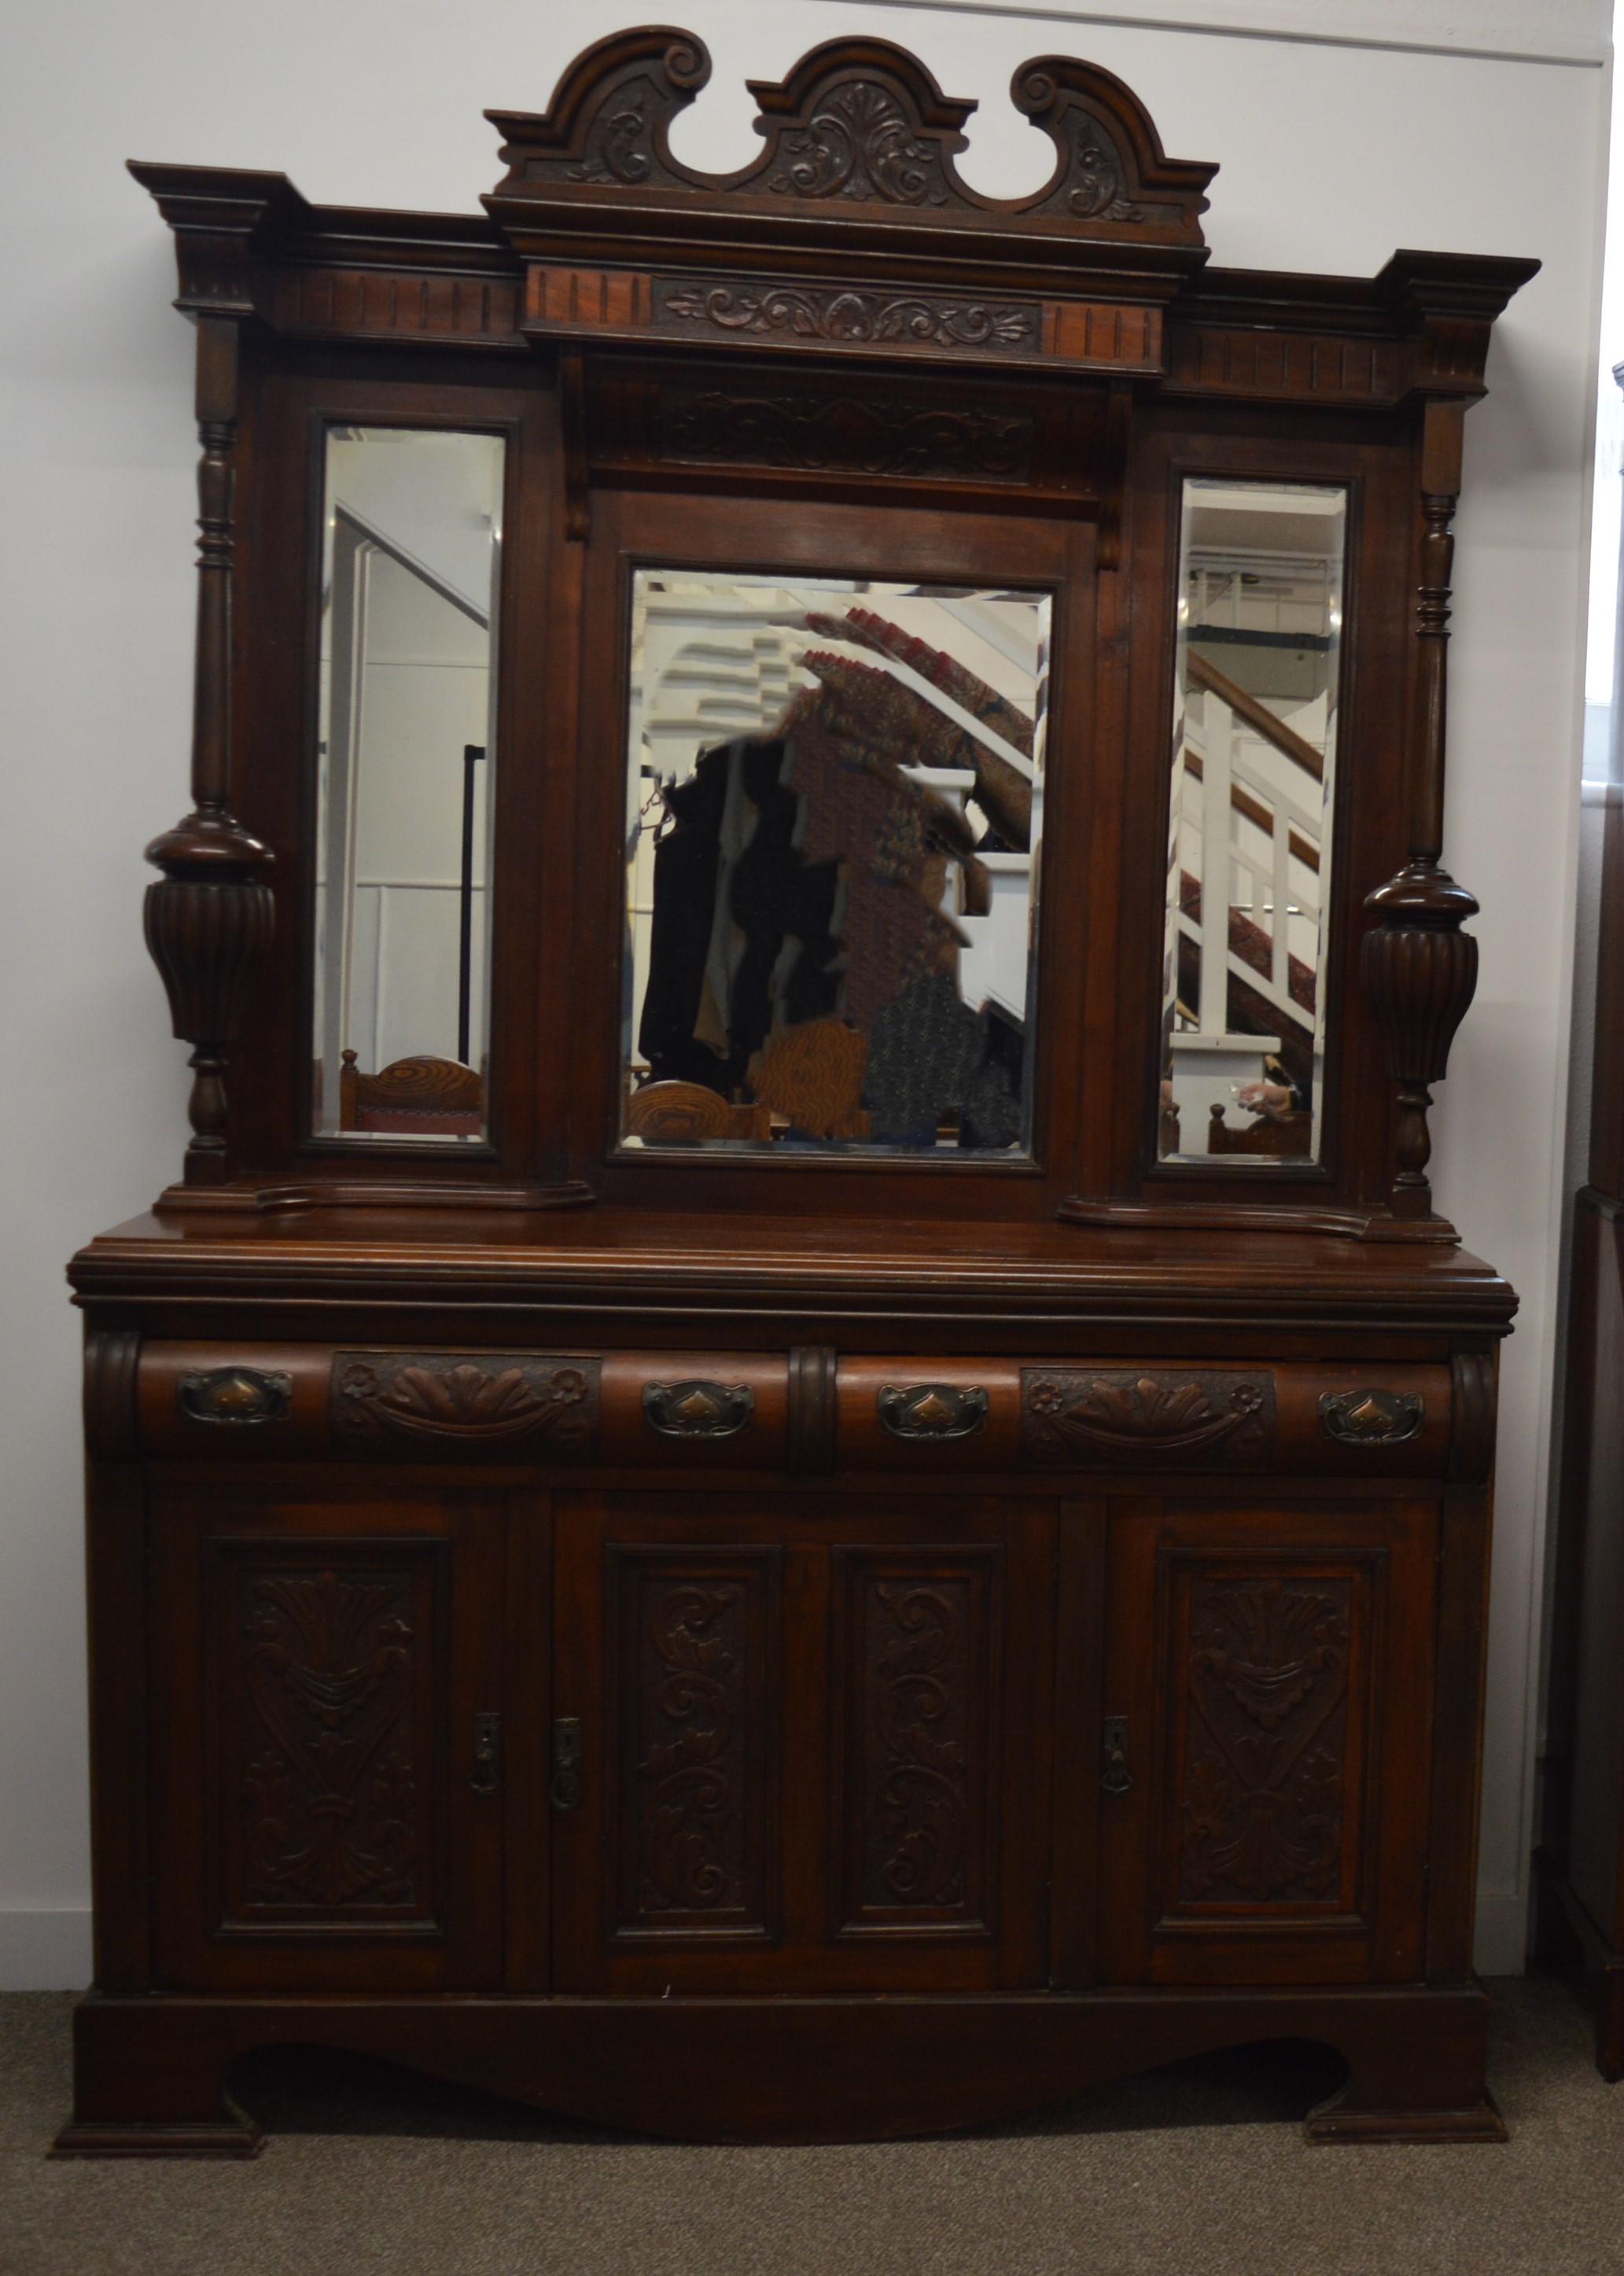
x: 1199, y: 2170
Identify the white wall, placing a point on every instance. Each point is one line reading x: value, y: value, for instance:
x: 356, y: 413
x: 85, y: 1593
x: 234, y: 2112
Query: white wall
x: 1484, y: 134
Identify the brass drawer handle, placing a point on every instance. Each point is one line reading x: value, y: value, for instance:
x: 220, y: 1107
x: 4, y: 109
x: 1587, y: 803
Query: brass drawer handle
x: 932, y: 1410
x: 698, y: 1409
x: 1372, y: 1418
x: 236, y: 1395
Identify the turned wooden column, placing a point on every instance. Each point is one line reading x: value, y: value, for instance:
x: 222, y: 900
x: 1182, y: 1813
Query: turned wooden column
x: 1419, y: 967
x: 209, y: 918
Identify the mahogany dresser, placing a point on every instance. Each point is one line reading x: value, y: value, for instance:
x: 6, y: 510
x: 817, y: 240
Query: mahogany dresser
x: 801, y: 1459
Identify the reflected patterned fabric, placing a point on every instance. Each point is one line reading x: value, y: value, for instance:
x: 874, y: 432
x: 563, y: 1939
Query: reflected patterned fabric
x: 801, y: 878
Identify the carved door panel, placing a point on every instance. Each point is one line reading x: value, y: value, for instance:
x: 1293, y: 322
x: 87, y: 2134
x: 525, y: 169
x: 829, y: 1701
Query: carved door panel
x: 1264, y: 1775
x: 799, y: 1746
x: 327, y: 1743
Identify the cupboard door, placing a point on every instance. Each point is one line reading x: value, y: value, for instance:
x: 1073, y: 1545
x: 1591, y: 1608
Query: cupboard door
x: 1268, y: 1670
x: 327, y: 1743
x: 799, y: 1746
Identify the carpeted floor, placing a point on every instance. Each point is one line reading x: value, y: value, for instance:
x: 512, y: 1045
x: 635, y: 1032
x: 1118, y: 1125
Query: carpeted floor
x: 1199, y: 2170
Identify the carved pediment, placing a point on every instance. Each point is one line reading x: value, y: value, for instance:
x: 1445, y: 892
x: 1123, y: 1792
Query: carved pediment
x: 610, y: 112
x: 858, y: 124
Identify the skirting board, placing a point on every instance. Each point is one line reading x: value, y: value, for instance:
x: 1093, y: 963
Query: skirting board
x: 45, y: 1951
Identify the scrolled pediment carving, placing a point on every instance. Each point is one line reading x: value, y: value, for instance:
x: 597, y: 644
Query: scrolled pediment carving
x: 857, y: 123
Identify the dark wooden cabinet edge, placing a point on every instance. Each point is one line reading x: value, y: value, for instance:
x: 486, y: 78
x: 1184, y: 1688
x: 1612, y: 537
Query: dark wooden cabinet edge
x: 1568, y: 1942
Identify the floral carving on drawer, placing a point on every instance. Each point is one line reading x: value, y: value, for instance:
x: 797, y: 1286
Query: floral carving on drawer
x: 1089, y: 1417
x: 488, y: 1398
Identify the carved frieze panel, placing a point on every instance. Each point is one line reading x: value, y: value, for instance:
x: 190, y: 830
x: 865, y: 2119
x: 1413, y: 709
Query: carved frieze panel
x: 466, y: 1399
x: 843, y: 316
x: 696, y: 1762
x: 1268, y: 1680
x: 1082, y: 1418
x: 843, y: 433
x: 328, y: 1775
x: 920, y: 1659
x: 798, y: 429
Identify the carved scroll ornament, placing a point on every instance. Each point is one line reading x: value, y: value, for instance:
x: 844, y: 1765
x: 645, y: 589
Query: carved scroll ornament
x: 485, y: 1398
x: 843, y: 316
x: 1085, y: 1418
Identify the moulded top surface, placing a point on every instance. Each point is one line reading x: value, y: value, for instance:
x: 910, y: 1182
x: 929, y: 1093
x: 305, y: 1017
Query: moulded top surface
x: 620, y: 1259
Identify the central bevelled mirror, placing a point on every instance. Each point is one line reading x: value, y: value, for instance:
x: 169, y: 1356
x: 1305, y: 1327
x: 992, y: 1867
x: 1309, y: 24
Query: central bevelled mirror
x: 1249, y: 839
x: 834, y: 811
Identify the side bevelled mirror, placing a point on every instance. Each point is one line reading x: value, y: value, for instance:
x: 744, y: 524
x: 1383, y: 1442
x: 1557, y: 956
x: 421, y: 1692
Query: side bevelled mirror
x: 410, y: 559
x: 1249, y: 852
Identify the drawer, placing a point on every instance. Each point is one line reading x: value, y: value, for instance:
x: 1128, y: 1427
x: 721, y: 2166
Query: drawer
x: 625, y: 1409
x: 927, y: 1415
x: 1355, y: 1421
x: 933, y: 1415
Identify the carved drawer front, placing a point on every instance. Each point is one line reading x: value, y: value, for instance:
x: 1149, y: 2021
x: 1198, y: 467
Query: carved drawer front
x: 917, y: 1635
x: 693, y: 1755
x: 1371, y: 1420
x: 929, y: 1414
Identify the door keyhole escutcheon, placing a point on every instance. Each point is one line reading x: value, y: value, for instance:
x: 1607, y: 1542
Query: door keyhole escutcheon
x: 566, y: 1763
x: 1115, y: 1776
